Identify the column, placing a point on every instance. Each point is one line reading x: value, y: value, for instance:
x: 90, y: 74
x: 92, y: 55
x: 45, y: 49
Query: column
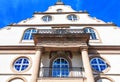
x: 36, y: 64
x: 86, y: 64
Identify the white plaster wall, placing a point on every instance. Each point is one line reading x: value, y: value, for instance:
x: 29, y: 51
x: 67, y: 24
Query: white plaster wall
x: 61, y: 18
x: 76, y: 60
x: 45, y: 61
x: 6, y: 78
x: 109, y: 35
x: 14, y: 35
x: 6, y: 63
x: 83, y: 18
x: 113, y: 61
x: 115, y: 78
x: 7, y: 70
x: 65, y: 8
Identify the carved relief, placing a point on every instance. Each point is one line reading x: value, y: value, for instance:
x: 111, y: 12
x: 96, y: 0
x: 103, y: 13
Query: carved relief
x: 66, y: 53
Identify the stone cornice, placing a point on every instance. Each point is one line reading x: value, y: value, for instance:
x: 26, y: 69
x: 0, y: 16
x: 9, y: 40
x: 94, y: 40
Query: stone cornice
x: 61, y: 13
x: 17, y: 47
x: 60, y: 25
x: 102, y: 47
x: 60, y: 38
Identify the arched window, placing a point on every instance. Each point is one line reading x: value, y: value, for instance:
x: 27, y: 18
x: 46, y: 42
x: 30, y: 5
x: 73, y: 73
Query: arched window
x: 21, y: 64
x: 98, y: 64
x: 103, y: 80
x: 28, y: 34
x: 16, y: 80
x: 92, y: 33
x: 60, y: 67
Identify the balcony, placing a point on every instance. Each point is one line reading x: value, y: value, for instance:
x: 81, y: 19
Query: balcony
x: 46, y: 37
x: 74, y: 72
x: 60, y: 31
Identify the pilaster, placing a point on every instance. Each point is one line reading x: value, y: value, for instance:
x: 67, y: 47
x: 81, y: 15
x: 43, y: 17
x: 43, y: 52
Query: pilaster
x: 86, y: 64
x: 36, y: 65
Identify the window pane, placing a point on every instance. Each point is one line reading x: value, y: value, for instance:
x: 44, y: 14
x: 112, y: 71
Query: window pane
x: 21, y: 64
x: 92, y: 33
x: 72, y: 17
x: 98, y: 64
x: 60, y: 67
x: 28, y: 34
x: 47, y: 18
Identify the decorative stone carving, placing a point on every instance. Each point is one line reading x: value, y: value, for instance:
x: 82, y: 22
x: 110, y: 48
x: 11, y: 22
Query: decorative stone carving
x: 66, y: 53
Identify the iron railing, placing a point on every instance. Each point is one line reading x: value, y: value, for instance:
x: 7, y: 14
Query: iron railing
x: 60, y: 31
x: 61, y: 72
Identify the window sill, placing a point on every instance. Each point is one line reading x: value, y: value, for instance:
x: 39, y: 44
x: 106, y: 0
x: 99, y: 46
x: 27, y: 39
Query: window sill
x: 27, y: 41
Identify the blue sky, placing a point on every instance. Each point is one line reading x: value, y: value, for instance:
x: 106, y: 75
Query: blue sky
x: 13, y: 11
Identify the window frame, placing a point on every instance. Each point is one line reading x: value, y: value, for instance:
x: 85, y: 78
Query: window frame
x: 47, y: 18
x: 12, y: 64
x: 63, y: 55
x: 61, y: 70
x: 98, y: 64
x: 72, y: 17
x: 22, y: 64
x: 27, y: 35
x: 104, y: 77
x: 92, y: 32
x: 59, y: 10
x: 16, y: 77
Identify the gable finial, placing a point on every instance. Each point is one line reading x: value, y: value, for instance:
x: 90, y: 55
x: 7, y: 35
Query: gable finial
x: 59, y: 2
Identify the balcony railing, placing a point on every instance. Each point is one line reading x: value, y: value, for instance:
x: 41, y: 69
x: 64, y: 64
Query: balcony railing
x: 60, y: 31
x: 73, y: 72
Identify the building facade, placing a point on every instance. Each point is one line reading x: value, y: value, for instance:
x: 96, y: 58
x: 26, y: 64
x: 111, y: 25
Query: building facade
x: 60, y: 45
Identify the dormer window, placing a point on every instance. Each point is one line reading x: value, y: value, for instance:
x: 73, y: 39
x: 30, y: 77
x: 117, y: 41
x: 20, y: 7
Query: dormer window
x: 47, y: 18
x: 72, y: 17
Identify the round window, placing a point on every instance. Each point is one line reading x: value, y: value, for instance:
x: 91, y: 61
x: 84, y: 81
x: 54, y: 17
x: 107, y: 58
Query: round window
x: 21, y: 64
x: 47, y: 18
x: 59, y: 10
x: 72, y: 17
x: 98, y: 64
